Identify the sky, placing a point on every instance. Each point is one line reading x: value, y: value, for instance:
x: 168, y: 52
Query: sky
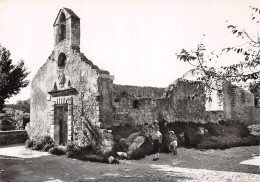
x: 135, y: 40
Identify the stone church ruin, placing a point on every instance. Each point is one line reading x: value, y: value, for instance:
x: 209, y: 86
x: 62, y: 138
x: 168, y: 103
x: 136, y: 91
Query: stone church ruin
x: 73, y: 100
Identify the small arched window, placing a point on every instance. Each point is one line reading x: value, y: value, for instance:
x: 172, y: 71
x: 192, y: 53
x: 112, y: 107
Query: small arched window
x: 62, y: 27
x: 61, y: 60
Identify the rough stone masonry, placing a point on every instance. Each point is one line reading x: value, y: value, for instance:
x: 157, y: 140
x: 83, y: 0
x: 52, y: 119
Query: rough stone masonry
x: 73, y: 100
x: 70, y: 96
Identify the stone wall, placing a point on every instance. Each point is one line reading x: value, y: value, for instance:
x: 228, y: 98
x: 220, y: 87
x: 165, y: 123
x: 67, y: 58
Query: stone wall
x: 182, y: 101
x: 185, y: 101
x: 69, y: 93
x: 13, y: 137
x: 137, y: 92
x: 134, y: 105
x: 82, y: 75
x: 239, y: 104
x: 105, y: 83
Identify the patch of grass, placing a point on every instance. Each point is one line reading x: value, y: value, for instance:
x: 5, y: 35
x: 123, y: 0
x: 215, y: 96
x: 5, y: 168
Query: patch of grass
x: 91, y: 158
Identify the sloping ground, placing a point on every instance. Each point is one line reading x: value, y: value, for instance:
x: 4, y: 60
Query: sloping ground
x: 189, y: 165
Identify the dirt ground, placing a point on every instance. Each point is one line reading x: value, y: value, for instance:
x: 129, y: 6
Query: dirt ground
x: 236, y: 164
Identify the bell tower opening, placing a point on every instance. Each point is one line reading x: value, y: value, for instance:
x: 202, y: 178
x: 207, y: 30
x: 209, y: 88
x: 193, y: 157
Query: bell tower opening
x: 62, y: 28
x: 66, y: 30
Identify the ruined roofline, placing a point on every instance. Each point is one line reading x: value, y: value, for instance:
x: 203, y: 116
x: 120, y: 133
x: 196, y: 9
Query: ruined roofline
x: 93, y: 66
x: 139, y: 86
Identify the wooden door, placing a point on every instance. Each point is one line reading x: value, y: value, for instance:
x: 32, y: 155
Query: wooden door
x: 61, y: 126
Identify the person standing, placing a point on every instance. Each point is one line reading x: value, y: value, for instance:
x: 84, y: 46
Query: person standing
x: 165, y: 137
x: 157, y: 140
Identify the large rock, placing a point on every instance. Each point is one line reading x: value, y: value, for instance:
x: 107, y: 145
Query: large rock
x: 136, y: 144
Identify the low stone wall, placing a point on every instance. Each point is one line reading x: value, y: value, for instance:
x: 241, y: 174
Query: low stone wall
x: 13, y: 137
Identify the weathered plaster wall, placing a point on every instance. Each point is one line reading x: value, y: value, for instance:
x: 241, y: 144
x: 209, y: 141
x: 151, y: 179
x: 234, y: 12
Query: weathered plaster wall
x: 83, y: 76
x: 42, y: 83
x: 90, y: 103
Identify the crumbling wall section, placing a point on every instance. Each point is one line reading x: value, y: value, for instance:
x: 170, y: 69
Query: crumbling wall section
x: 239, y: 104
x: 183, y: 101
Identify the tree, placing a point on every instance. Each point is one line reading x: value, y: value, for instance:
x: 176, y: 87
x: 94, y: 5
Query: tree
x: 246, y: 70
x: 12, y: 77
x: 24, y: 105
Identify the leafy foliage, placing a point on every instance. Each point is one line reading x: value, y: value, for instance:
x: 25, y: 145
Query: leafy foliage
x: 224, y: 142
x: 246, y: 70
x: 12, y: 77
x: 58, y: 150
x: 44, y: 142
x: 7, y: 123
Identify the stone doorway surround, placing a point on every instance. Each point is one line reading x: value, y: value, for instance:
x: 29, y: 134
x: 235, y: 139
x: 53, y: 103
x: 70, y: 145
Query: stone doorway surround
x: 58, y: 98
x: 60, y: 122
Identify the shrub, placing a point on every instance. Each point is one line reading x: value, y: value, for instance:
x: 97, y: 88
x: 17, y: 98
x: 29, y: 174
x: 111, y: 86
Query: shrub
x: 47, y: 147
x: 224, y: 142
x: 190, y: 137
x: 254, y: 129
x: 41, y: 141
x: 7, y: 124
x: 29, y: 143
x: 73, y: 149
x: 213, y: 129
x: 137, y: 154
x: 58, y: 150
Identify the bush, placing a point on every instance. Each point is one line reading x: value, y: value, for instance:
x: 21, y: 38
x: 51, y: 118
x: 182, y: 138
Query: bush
x: 73, y: 149
x: 47, y: 147
x: 213, y: 129
x: 29, y: 143
x: 58, y: 150
x: 41, y: 141
x: 7, y: 124
x: 224, y: 142
x: 137, y: 154
x: 190, y: 137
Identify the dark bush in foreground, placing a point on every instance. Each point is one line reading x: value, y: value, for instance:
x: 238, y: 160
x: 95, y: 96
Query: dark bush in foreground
x: 224, y: 142
x: 75, y: 150
x: 137, y: 154
x: 86, y: 153
x: 29, y: 143
x: 58, y: 150
x: 41, y: 143
x: 47, y: 147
